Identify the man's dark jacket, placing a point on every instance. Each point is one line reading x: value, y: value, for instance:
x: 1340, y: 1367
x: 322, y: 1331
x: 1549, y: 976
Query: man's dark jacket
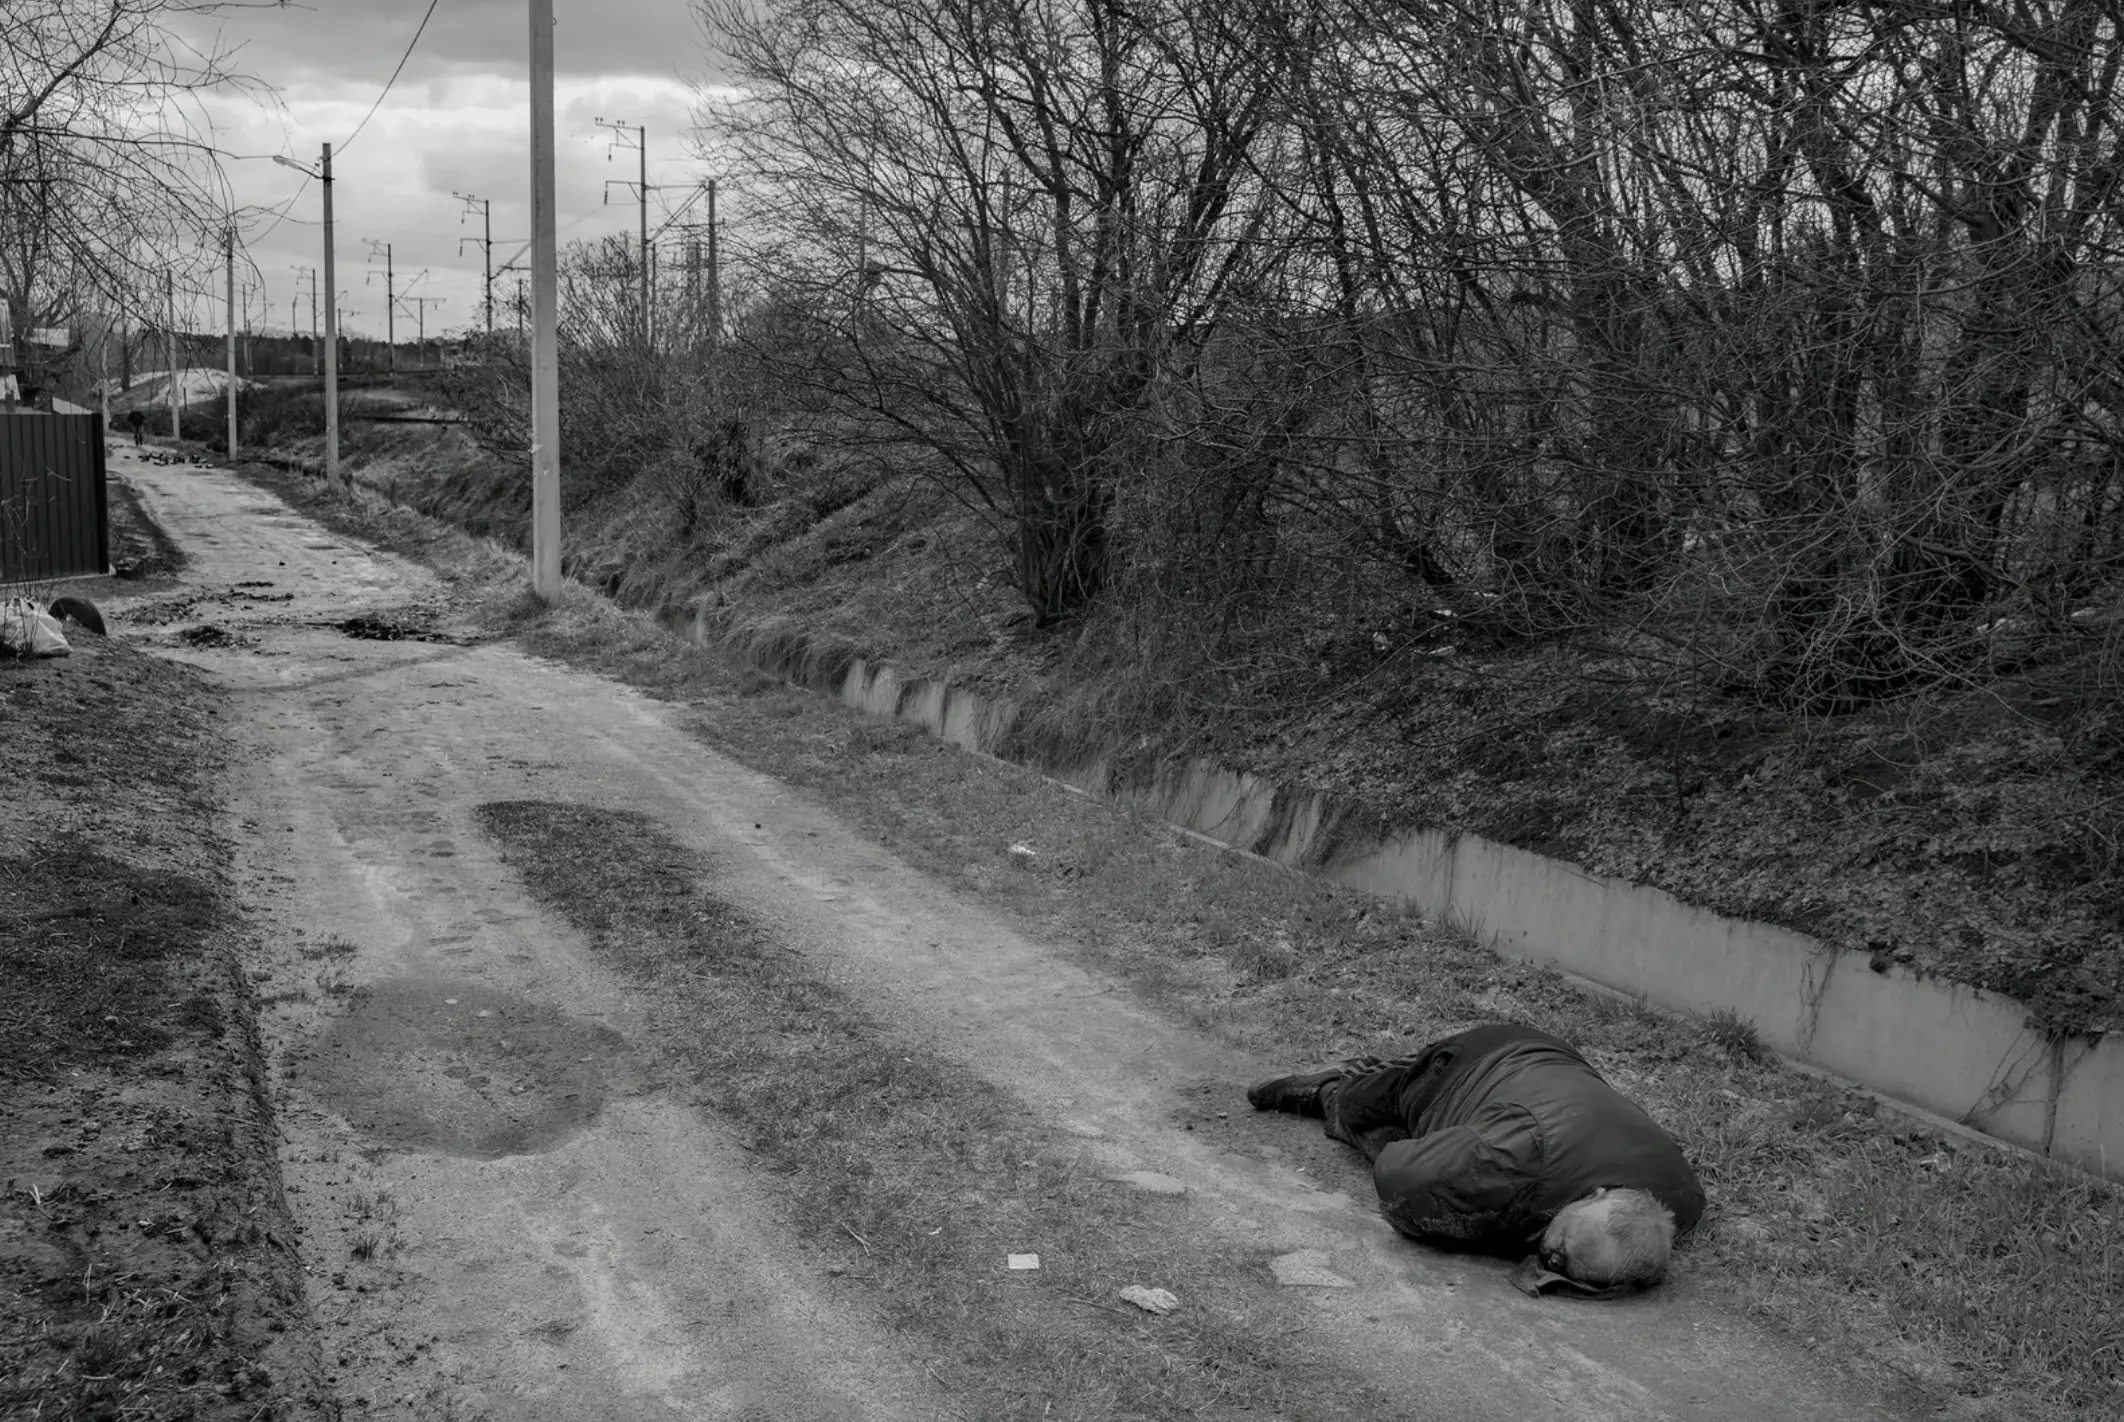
x: 1506, y: 1126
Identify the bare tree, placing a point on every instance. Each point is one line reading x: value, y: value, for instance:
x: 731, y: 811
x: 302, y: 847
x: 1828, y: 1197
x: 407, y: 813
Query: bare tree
x: 106, y: 160
x: 1017, y: 217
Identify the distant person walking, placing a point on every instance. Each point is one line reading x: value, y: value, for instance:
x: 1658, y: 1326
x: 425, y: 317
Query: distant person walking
x: 137, y: 423
x: 1505, y: 1137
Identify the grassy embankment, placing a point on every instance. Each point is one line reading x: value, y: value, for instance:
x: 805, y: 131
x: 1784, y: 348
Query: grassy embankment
x: 147, y: 1259
x: 1973, y: 833
x: 1954, y: 1272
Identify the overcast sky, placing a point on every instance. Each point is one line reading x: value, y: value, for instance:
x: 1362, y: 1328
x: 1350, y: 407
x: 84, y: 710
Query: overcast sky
x: 457, y: 120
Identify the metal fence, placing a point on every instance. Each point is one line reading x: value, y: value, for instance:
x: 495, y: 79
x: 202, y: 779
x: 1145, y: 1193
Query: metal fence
x: 54, y: 514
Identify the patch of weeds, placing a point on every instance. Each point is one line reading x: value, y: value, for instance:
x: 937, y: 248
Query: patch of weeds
x: 1727, y: 1031
x: 365, y: 1245
x: 134, y: 1346
x: 331, y: 946
x: 365, y: 1205
x: 918, y: 1173
x: 1263, y: 959
x: 443, y: 1404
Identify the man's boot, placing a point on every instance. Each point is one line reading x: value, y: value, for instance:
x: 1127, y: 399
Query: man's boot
x: 1304, y: 1094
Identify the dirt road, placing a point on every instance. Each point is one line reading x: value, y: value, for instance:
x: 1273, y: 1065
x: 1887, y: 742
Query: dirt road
x: 507, y: 1207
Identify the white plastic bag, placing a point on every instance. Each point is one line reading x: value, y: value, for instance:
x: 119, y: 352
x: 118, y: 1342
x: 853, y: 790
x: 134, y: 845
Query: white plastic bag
x: 28, y: 630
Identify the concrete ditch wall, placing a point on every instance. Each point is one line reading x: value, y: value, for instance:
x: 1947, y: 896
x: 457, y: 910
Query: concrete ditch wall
x: 1952, y: 1050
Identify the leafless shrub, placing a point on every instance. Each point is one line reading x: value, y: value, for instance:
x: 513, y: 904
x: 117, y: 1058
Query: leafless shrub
x: 1769, y: 352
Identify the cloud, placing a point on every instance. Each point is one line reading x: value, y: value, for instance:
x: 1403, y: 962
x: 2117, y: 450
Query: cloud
x: 362, y: 39
x: 456, y: 121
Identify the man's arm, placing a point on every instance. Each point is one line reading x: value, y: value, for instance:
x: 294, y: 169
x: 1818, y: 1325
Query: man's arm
x: 1468, y: 1182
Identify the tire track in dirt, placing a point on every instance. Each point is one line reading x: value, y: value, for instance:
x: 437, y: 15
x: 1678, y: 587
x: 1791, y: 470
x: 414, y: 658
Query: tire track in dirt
x: 503, y: 1211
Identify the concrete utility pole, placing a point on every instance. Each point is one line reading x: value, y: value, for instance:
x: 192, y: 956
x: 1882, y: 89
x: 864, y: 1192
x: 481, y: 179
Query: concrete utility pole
x: 232, y: 342
x: 331, y: 314
x: 390, y: 310
x: 421, y: 305
x: 641, y: 192
x: 169, y: 296
x: 485, y: 240
x: 715, y: 279
x: 641, y: 138
x: 331, y: 355
x: 545, y: 325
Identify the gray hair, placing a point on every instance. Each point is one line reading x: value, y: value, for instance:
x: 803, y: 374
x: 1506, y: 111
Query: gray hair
x: 1612, y: 1237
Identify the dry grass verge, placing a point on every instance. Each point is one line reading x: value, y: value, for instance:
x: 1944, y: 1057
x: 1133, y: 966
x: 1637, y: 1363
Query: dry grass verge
x: 920, y: 1176
x: 1972, y: 1275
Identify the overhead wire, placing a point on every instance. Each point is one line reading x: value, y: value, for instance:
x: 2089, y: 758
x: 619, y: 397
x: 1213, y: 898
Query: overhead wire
x: 308, y: 177
x: 394, y: 77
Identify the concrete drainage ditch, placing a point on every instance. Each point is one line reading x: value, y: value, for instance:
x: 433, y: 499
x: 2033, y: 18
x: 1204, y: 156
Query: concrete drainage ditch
x: 1946, y: 1049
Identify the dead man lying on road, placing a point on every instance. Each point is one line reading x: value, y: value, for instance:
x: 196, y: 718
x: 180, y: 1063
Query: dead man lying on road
x: 1504, y: 1137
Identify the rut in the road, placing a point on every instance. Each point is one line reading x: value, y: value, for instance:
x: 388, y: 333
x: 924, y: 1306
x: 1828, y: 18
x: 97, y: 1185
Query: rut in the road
x: 920, y: 1176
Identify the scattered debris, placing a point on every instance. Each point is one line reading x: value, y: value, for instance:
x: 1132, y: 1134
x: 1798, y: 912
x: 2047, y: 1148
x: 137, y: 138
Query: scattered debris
x: 385, y: 627
x: 1307, y: 1269
x: 163, y: 611
x: 208, y: 634
x: 1024, y: 1262
x: 1159, y: 1301
x: 80, y: 611
x: 1150, y: 1181
x: 27, y: 630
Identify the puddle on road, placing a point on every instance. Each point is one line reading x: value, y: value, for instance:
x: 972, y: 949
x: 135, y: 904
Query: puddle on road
x: 437, y: 1064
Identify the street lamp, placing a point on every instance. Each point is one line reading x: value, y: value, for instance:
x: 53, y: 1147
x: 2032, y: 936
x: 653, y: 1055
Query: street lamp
x: 323, y: 173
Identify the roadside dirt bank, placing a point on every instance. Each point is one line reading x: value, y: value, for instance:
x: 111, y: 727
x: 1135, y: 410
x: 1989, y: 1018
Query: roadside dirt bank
x: 440, y: 1205
x: 147, y: 1254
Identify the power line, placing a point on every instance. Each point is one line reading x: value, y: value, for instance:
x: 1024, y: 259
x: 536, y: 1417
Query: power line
x: 393, y: 79
x: 285, y: 208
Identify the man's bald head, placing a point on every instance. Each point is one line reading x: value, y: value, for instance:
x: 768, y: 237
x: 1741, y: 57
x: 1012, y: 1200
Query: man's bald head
x: 1609, y: 1238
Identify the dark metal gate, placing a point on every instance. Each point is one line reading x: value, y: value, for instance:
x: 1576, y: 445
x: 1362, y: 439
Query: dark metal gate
x: 54, y: 518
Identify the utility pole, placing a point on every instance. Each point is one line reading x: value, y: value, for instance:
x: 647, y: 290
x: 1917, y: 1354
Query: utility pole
x: 545, y: 334
x: 331, y: 331
x: 641, y: 192
x: 693, y: 287
x: 390, y: 310
x: 485, y: 240
x: 421, y: 305
x: 715, y: 279
x: 169, y: 296
x: 232, y: 342
x: 331, y: 335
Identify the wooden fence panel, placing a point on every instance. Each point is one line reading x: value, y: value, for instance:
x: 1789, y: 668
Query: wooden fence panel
x: 54, y: 509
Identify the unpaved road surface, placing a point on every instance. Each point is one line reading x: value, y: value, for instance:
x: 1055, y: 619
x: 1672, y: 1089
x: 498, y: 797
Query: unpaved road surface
x: 507, y: 1210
